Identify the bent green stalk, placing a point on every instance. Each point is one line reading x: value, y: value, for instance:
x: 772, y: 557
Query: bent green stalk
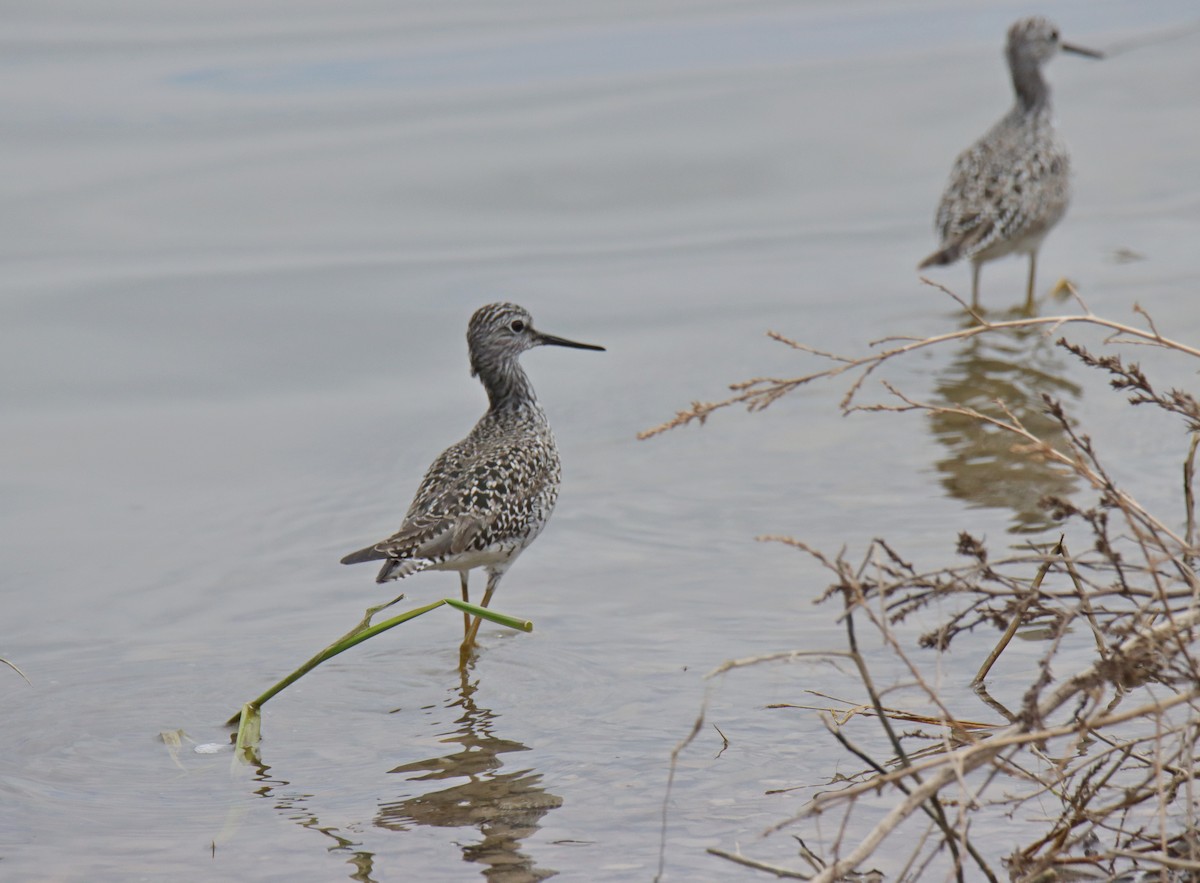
x: 512, y: 622
x: 363, y: 631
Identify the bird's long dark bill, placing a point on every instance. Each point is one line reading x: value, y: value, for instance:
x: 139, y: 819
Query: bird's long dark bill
x: 551, y: 340
x: 1079, y: 50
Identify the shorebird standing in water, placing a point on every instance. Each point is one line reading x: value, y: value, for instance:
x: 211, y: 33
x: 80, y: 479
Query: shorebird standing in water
x: 1010, y: 187
x: 487, y: 497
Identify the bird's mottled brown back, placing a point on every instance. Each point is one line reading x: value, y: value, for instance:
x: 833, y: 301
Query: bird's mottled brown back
x: 1011, y: 186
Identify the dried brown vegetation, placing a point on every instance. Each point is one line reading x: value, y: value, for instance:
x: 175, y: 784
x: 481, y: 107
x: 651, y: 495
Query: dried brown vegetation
x: 1102, y: 746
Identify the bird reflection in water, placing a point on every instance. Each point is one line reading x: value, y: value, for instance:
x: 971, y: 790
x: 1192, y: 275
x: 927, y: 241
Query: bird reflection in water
x: 986, y: 466
x: 506, y: 807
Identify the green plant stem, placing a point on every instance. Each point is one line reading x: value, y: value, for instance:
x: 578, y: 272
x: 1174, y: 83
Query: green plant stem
x: 356, y: 635
x: 365, y: 630
x: 512, y: 622
x: 249, y: 735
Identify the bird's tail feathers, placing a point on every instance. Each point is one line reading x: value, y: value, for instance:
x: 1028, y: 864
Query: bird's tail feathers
x: 371, y: 553
x: 947, y: 255
x: 399, y: 568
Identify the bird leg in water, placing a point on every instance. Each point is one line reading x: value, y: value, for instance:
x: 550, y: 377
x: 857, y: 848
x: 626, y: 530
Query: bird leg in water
x: 463, y: 576
x: 469, y: 640
x: 1029, y: 284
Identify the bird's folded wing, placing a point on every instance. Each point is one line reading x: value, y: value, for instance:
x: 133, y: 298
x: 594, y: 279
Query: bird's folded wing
x: 986, y: 202
x: 432, y: 538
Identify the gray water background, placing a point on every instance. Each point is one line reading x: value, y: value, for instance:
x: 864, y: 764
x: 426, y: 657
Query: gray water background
x: 240, y: 246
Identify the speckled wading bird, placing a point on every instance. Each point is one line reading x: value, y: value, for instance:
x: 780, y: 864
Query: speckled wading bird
x: 487, y: 497
x: 1009, y: 188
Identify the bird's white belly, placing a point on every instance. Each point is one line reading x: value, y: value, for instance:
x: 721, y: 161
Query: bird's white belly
x: 490, y: 557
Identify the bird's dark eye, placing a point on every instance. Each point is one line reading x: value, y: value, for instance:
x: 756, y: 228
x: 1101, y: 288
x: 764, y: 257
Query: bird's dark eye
x: 517, y: 325
x: 1054, y: 36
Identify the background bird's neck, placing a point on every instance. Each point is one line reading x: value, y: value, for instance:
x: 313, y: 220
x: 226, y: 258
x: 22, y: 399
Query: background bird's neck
x: 1033, y: 93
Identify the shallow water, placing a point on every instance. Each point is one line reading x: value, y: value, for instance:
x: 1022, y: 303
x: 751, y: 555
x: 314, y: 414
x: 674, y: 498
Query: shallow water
x: 242, y: 244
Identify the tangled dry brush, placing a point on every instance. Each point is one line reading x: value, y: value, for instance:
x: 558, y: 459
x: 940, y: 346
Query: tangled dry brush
x: 1102, y: 746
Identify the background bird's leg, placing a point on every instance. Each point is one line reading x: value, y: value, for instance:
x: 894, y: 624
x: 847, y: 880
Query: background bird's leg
x: 493, y: 581
x: 975, y: 268
x: 1030, y: 283
x: 463, y: 576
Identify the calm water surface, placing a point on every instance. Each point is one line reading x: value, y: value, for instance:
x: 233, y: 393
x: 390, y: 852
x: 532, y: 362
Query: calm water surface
x: 241, y: 246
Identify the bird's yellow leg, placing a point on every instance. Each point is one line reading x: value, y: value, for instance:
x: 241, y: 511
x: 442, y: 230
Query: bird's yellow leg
x: 463, y: 576
x: 469, y: 641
